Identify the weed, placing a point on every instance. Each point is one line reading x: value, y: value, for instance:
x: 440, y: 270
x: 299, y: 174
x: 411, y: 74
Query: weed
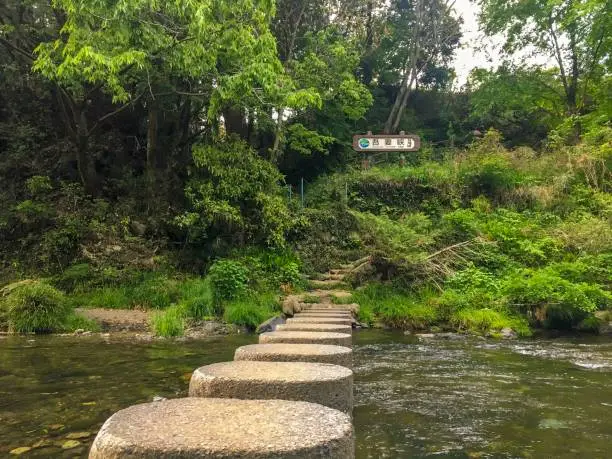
x: 252, y: 310
x: 311, y: 299
x: 170, y: 322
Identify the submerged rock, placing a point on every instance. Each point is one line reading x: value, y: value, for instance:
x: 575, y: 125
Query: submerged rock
x: 19, y: 451
x: 270, y: 324
x: 69, y: 444
x: 508, y: 333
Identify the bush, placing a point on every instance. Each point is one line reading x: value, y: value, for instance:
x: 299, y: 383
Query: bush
x: 229, y: 279
x: 170, y: 322
x: 35, y: 307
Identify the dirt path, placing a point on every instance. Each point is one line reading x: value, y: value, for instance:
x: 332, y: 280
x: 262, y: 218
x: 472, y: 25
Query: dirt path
x: 118, y: 319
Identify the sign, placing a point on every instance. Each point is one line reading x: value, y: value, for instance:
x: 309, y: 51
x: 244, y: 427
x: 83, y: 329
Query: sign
x: 402, y: 142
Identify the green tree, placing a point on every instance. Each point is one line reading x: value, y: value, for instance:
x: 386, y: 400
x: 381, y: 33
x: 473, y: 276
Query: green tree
x: 574, y: 33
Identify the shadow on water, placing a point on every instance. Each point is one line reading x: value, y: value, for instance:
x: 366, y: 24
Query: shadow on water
x: 450, y: 398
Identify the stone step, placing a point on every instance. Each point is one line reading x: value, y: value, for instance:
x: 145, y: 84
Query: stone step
x: 327, y: 314
x: 322, y: 383
x: 321, y: 320
x: 316, y: 328
x: 304, y: 337
x: 319, y: 353
x: 232, y: 429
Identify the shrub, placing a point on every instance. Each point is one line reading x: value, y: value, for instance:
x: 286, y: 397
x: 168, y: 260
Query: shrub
x: 170, y: 322
x: 229, y: 279
x: 74, y: 276
x: 35, y: 307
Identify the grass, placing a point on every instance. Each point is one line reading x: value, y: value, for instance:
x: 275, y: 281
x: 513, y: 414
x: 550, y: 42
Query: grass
x: 483, y: 321
x: 169, y: 323
x: 311, y: 299
x: 342, y: 299
x: 77, y: 322
x: 251, y: 310
x: 34, y: 307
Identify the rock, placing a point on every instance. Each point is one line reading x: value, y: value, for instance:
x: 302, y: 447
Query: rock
x: 270, y: 324
x: 137, y: 228
x: 508, y: 333
x: 21, y: 450
x: 228, y: 428
x: 79, y: 331
x: 78, y: 435
x: 69, y: 444
x: 291, y: 305
x: 42, y: 443
x: 322, y: 383
x: 56, y: 426
x: 159, y: 398
x: 425, y: 335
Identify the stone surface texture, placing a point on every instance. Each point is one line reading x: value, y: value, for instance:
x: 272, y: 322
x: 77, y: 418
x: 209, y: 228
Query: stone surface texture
x: 325, y: 384
x: 316, y: 327
x: 226, y: 428
x: 321, y: 320
x: 320, y: 353
x: 305, y: 337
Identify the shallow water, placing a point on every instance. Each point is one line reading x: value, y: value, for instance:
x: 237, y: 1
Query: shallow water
x: 414, y: 398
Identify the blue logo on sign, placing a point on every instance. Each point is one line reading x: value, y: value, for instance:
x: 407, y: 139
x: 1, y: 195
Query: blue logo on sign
x: 364, y: 143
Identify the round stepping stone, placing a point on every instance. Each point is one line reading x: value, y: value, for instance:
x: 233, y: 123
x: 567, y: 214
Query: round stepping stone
x: 306, y: 337
x: 224, y: 428
x: 321, y: 320
x: 328, y: 385
x: 316, y: 327
x: 328, y: 315
x: 320, y: 353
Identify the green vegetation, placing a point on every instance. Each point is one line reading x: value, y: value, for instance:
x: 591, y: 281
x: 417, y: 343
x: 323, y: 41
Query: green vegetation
x: 311, y: 299
x: 34, y: 307
x: 151, y: 157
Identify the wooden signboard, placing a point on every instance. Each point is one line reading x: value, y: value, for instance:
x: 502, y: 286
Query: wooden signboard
x: 402, y: 142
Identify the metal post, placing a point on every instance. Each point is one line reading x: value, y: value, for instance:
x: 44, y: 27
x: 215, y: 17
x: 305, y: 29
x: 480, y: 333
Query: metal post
x: 290, y: 192
x: 302, y: 190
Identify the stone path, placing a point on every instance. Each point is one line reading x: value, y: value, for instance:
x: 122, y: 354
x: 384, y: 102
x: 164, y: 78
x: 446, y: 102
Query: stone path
x: 290, y: 396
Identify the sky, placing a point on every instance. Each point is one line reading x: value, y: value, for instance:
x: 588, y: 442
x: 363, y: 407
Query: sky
x: 468, y: 56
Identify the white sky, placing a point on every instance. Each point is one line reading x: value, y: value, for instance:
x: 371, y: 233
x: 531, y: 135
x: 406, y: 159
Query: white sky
x: 469, y: 56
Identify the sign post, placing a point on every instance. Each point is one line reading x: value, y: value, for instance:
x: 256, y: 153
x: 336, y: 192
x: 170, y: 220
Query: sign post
x: 386, y: 143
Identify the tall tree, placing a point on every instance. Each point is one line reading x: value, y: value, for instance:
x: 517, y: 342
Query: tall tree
x: 420, y: 34
x: 576, y: 34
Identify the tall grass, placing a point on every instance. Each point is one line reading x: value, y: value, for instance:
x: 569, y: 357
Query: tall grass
x: 252, y: 310
x: 169, y: 323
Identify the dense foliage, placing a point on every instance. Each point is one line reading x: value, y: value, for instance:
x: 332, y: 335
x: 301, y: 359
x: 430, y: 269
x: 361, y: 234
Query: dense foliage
x: 151, y: 154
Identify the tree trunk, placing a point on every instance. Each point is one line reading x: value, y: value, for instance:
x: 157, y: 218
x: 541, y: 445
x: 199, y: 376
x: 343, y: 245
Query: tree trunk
x: 152, y: 143
x: 86, y: 165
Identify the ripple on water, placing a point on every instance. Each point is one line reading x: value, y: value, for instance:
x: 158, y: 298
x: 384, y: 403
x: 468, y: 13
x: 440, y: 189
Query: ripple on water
x: 449, y: 399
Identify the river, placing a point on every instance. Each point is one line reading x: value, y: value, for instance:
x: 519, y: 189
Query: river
x: 443, y: 397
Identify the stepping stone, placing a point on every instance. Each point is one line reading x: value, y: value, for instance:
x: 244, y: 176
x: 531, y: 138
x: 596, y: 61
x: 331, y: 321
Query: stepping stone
x: 306, y: 337
x: 322, y: 383
x: 320, y: 353
x: 328, y: 315
x: 316, y: 327
x: 322, y: 320
x: 225, y: 428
